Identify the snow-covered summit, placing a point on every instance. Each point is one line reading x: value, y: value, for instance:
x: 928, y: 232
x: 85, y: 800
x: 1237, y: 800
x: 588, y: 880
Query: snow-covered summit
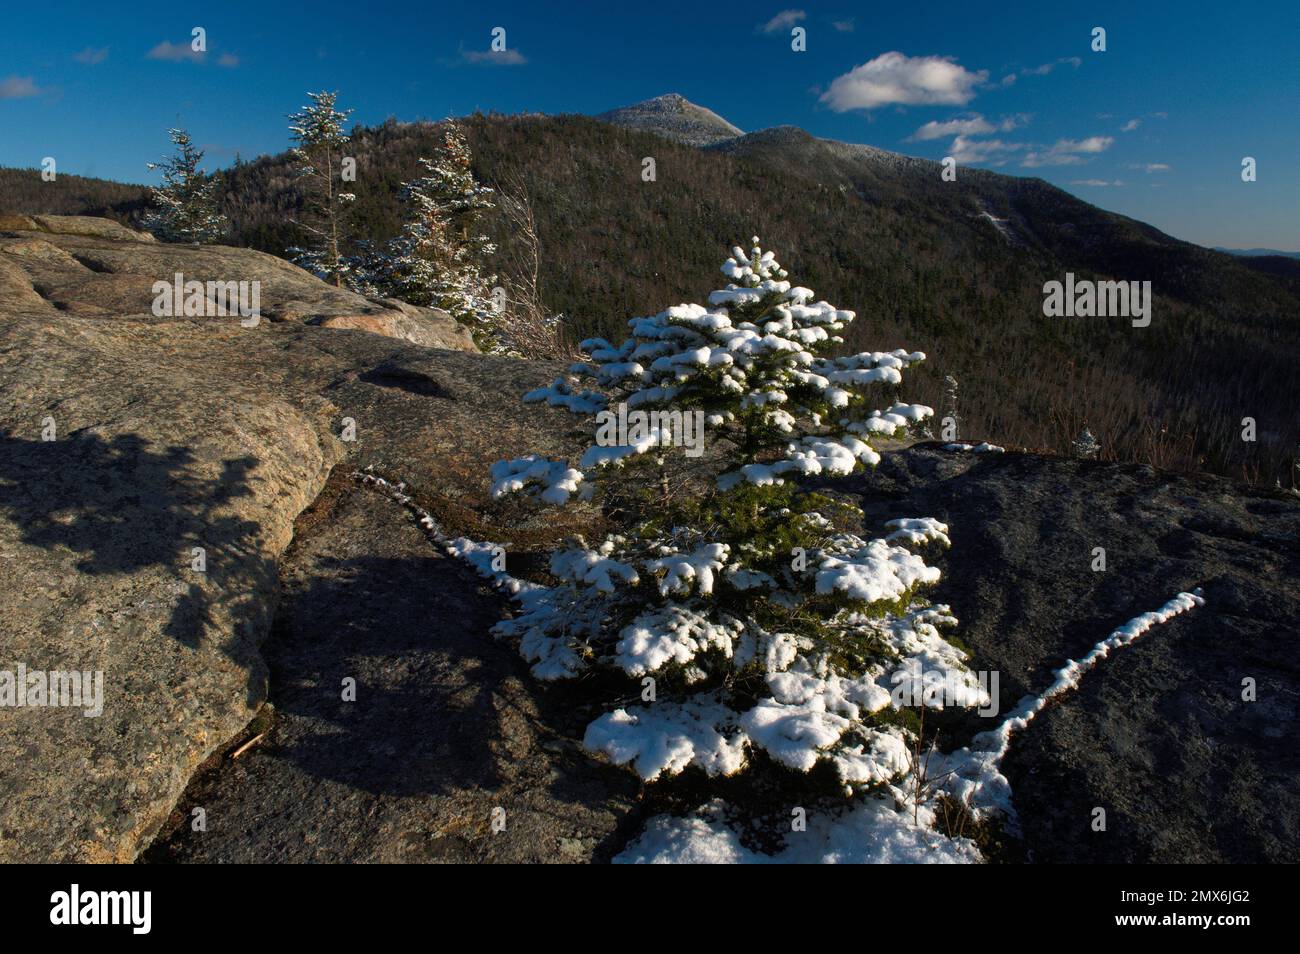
x: 674, y: 117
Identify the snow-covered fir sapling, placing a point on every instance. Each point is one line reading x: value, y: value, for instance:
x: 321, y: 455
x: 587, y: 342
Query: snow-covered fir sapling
x: 764, y: 623
x: 951, y: 424
x: 318, y: 155
x: 440, y: 256
x: 185, y: 206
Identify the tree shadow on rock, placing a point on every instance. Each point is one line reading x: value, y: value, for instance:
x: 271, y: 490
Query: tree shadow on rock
x: 122, y: 506
x: 426, y: 712
x: 393, y: 374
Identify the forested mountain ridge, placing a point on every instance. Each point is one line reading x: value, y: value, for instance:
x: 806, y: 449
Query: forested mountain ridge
x: 953, y: 268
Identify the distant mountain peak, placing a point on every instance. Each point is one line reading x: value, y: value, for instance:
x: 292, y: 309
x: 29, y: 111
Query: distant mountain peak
x: 668, y: 101
x: 674, y: 116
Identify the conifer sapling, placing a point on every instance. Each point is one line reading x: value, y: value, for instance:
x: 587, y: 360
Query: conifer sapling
x: 438, y: 259
x: 764, y: 620
x: 319, y: 138
x: 185, y: 206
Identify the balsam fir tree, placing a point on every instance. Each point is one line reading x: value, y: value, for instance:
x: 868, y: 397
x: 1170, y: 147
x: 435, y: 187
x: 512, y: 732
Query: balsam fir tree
x: 438, y: 259
x: 737, y: 605
x: 185, y: 206
x: 317, y: 129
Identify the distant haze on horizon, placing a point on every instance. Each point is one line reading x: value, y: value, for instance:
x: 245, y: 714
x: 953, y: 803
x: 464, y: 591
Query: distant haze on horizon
x: 1155, y: 127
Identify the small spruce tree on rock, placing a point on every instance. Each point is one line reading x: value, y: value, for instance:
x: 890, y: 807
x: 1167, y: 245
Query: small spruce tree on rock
x: 318, y: 154
x: 185, y: 205
x: 439, y: 258
x: 738, y: 606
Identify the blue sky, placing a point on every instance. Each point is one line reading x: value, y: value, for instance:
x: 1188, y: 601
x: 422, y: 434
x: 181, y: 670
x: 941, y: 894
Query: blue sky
x: 1155, y: 127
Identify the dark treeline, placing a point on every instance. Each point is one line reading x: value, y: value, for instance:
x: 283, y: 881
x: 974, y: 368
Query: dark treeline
x: 917, y: 258
x: 23, y: 191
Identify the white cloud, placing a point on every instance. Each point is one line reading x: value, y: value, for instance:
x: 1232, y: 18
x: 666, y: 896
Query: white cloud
x: 844, y: 26
x: 1149, y: 167
x: 784, y: 21
x: 19, y: 87
x: 908, y: 80
x: 185, y: 53
x: 1100, y: 183
x: 1046, y: 68
x: 175, y: 53
x: 91, y: 56
x: 993, y: 151
x: 974, y: 125
x: 1131, y: 125
x: 1091, y: 144
x: 1068, y: 152
x: 502, y: 58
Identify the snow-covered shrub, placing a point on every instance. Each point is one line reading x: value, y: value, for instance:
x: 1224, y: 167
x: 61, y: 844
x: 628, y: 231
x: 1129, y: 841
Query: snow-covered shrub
x: 763, y: 622
x: 1085, y: 445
